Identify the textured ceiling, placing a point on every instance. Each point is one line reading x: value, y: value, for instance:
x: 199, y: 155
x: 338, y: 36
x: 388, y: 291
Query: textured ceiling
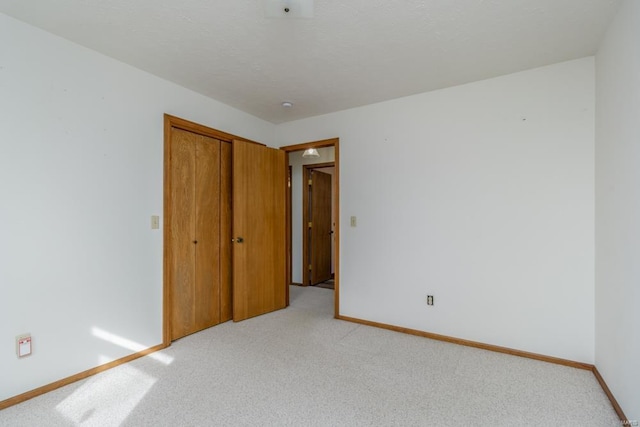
x: 351, y: 53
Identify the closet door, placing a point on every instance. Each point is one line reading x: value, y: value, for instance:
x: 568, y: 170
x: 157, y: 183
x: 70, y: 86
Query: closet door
x: 259, y: 248
x: 206, y: 311
x: 195, y: 232
x: 226, y: 294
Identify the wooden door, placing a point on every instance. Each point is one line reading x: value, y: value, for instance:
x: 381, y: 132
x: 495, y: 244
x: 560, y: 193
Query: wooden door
x: 320, y: 230
x: 226, y: 294
x: 259, y: 230
x: 195, y: 232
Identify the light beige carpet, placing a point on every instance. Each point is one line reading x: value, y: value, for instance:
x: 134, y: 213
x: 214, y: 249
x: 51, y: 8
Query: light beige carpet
x: 301, y: 367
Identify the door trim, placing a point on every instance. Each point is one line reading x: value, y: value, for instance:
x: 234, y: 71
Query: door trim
x: 288, y: 228
x: 171, y: 122
x: 333, y: 142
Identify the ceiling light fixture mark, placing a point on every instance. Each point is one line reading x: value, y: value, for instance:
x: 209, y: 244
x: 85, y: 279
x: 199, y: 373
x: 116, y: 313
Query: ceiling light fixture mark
x: 288, y: 8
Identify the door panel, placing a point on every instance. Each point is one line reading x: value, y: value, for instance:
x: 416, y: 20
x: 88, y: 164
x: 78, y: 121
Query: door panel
x: 320, y: 242
x: 207, y: 233
x: 259, y: 199
x: 226, y: 295
x: 182, y: 232
x: 194, y: 246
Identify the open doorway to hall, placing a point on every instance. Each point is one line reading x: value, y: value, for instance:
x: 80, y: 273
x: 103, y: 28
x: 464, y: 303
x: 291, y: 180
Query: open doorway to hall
x: 314, y: 216
x: 312, y: 249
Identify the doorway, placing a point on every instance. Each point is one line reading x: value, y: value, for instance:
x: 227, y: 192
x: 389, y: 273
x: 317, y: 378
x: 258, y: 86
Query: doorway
x: 296, y: 150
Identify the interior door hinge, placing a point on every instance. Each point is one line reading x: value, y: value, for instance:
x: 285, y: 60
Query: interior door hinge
x: 310, y: 224
x: 310, y: 181
x: 309, y: 267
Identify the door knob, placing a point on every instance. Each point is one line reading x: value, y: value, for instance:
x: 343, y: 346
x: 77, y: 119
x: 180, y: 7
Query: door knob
x: 238, y: 240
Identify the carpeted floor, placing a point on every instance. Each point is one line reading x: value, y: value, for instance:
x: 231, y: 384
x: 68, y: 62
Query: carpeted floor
x: 301, y: 367
x: 329, y: 284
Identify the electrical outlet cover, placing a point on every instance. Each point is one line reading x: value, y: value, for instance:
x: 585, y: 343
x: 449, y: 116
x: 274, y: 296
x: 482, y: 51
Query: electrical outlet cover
x: 23, y: 345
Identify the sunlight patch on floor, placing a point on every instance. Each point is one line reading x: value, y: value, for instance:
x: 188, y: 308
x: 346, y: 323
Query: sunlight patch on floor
x: 112, y: 396
x: 130, y: 345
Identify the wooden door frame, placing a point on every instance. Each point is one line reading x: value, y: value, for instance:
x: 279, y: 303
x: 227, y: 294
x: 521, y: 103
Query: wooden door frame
x: 306, y: 176
x: 288, y: 227
x: 171, y: 122
x: 333, y: 142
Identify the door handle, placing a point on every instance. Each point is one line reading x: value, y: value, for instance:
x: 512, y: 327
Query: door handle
x: 237, y: 240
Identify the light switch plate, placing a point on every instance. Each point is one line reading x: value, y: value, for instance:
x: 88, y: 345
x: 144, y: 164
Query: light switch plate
x: 354, y: 221
x: 155, y: 222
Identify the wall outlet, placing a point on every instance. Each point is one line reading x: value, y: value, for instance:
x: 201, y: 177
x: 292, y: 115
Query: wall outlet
x: 23, y: 345
x: 429, y: 299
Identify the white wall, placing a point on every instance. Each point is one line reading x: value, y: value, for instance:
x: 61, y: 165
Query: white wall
x: 297, y: 161
x: 481, y: 195
x: 81, y: 167
x: 618, y: 208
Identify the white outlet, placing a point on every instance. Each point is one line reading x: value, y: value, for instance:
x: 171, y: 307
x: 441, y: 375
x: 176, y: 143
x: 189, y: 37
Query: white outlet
x: 23, y: 345
x: 429, y: 299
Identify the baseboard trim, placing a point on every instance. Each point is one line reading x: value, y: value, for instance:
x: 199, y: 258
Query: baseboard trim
x: 475, y: 344
x: 77, y: 377
x: 498, y: 349
x: 612, y: 399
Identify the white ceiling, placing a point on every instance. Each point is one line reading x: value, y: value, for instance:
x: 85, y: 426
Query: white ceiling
x: 351, y: 53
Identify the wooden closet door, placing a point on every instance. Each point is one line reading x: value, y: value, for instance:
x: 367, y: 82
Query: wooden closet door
x: 226, y: 286
x: 207, y: 233
x: 259, y: 230
x: 195, y: 232
x: 183, y: 164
